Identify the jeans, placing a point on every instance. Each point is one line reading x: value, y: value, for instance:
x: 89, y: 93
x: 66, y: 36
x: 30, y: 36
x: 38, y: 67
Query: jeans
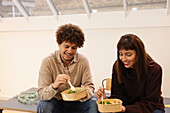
x: 60, y: 106
x: 159, y: 111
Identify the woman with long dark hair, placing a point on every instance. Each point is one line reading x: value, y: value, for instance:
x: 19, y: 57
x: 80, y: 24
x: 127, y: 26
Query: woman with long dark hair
x: 136, y: 78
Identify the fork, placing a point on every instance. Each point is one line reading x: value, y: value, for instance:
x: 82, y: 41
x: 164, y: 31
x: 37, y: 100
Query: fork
x: 72, y: 87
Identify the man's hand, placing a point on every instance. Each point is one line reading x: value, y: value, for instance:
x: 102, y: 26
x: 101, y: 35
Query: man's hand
x: 61, y: 79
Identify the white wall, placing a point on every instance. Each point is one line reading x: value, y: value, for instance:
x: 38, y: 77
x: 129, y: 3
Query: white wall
x: 23, y: 44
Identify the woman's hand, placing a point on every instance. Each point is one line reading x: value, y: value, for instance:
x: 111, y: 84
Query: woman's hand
x: 99, y: 93
x: 123, y: 109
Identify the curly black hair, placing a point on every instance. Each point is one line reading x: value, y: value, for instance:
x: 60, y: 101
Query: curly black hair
x: 70, y: 33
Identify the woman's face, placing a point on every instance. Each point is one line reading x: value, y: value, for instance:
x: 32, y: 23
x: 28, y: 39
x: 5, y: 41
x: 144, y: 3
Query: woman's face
x: 128, y: 57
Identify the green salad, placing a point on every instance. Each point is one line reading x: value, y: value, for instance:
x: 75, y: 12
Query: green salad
x: 71, y: 91
x: 103, y: 102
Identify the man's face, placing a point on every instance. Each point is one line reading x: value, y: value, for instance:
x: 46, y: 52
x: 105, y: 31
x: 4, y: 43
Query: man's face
x: 67, y: 51
x: 128, y: 57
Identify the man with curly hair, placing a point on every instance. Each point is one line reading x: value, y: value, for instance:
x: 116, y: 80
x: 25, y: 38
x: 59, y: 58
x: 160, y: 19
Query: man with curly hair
x: 62, y: 66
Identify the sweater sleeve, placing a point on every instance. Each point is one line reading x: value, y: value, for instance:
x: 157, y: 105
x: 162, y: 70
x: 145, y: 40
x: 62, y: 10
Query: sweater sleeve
x: 149, y: 102
x: 87, y: 80
x: 45, y: 90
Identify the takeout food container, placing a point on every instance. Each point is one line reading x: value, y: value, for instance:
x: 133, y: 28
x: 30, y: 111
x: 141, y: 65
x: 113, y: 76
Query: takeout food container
x: 115, y: 106
x: 74, y: 96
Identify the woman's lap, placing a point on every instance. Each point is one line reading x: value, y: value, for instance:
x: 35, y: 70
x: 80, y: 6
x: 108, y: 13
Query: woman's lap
x: 159, y: 111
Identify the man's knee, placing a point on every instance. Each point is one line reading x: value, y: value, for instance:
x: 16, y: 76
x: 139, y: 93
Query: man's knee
x: 45, y: 107
x: 91, y: 106
x: 41, y: 106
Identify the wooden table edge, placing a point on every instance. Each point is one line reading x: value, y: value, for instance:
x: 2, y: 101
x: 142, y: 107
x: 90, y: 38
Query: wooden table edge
x: 4, y: 108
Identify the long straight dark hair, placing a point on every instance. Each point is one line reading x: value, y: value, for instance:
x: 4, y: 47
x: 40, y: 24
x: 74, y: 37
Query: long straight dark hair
x: 142, y: 61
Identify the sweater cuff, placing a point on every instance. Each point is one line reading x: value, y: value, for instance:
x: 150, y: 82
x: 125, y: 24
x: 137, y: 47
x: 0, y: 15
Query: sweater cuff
x: 52, y: 89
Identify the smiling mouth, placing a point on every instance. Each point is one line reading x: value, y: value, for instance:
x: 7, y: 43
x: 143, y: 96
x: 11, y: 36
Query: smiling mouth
x: 68, y: 55
x: 126, y: 64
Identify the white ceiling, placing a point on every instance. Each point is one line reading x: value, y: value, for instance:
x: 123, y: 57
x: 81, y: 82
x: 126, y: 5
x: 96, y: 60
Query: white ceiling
x: 26, y: 8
